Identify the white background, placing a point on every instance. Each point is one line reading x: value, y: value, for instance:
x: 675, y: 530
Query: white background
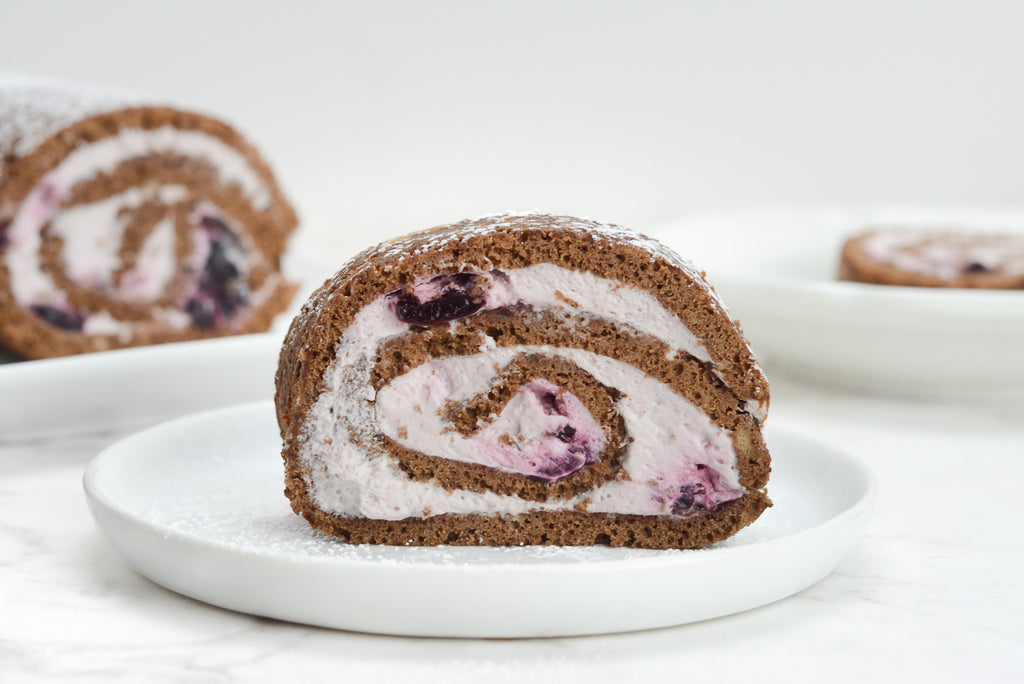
x: 384, y: 117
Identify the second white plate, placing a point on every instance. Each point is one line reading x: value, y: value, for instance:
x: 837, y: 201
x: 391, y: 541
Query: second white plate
x: 197, y: 506
x: 776, y: 272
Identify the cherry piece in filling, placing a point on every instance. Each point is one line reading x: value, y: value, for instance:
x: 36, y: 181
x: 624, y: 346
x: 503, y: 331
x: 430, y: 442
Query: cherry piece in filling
x: 57, y: 317
x: 687, y: 501
x: 567, y: 433
x: 445, y: 298
x: 563, y: 466
x: 577, y: 451
x: 699, y: 495
x: 976, y: 267
x: 222, y: 287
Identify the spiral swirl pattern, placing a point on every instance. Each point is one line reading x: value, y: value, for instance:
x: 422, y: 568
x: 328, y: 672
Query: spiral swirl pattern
x: 505, y: 386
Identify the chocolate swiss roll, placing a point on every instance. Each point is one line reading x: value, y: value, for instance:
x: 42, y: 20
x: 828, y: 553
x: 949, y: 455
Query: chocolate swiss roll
x: 934, y: 258
x: 522, y: 379
x: 126, y: 222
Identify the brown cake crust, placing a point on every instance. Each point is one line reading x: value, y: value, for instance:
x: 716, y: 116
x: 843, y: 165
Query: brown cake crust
x: 860, y: 262
x: 26, y: 334
x: 548, y: 528
x: 731, y: 388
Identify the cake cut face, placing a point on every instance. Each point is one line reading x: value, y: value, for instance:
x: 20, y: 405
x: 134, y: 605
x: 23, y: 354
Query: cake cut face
x: 934, y: 258
x: 125, y: 223
x: 522, y: 379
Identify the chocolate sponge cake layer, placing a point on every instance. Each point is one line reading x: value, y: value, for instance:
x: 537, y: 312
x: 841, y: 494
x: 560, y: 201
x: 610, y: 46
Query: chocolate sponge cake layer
x: 126, y: 222
x: 522, y: 379
x: 562, y: 528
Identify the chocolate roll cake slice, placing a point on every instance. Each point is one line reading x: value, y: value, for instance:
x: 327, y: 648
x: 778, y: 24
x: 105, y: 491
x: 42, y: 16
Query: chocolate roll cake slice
x: 522, y: 379
x: 123, y: 222
x: 934, y: 258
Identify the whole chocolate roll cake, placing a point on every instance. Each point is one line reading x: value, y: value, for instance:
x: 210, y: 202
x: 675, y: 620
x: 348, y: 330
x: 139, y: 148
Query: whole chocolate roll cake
x: 125, y: 222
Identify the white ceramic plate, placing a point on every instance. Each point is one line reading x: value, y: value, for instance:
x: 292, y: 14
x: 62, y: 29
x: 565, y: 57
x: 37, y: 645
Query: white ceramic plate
x: 197, y: 506
x: 776, y: 272
x: 129, y: 387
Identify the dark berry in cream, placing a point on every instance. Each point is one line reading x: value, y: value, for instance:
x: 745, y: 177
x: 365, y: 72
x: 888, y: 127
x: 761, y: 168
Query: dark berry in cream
x: 58, y: 317
x: 439, y: 300
x: 223, y: 288
x: 976, y: 267
x: 701, y: 491
x: 201, y: 311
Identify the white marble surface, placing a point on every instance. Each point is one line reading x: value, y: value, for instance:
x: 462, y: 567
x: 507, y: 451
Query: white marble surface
x: 934, y: 592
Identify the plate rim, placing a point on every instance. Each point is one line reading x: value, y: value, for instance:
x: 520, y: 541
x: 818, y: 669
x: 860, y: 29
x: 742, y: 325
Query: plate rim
x: 45, y: 398
x: 135, y: 354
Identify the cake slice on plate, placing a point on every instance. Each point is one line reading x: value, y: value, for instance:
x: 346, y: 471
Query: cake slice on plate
x: 522, y: 379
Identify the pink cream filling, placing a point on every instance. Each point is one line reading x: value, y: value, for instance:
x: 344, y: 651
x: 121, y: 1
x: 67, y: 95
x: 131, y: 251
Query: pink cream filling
x: 678, y: 463
x: 544, y: 433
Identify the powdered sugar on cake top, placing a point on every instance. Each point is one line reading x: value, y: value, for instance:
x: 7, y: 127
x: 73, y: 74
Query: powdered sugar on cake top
x: 398, y: 248
x: 33, y: 109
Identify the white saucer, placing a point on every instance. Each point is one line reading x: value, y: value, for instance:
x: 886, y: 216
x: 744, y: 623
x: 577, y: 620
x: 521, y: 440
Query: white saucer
x: 775, y: 270
x: 197, y: 506
x: 129, y: 387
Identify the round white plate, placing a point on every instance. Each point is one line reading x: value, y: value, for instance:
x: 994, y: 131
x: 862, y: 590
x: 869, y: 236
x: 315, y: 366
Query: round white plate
x: 776, y: 270
x: 130, y: 387
x: 197, y: 506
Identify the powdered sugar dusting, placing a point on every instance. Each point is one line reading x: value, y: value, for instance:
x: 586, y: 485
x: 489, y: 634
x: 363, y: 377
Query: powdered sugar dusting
x: 33, y: 109
x: 532, y: 220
